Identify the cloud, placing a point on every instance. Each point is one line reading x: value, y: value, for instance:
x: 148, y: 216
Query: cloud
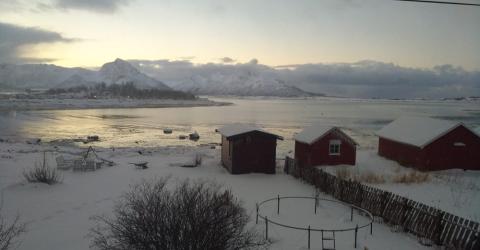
x: 227, y: 60
x: 384, y: 80
x: 13, y: 38
x: 99, y: 6
x: 102, y: 6
x: 364, y: 79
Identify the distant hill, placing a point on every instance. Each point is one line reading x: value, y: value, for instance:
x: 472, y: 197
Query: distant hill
x: 52, y: 76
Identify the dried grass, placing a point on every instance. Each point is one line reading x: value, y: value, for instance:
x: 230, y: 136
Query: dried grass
x: 365, y: 177
x: 370, y: 177
x: 411, y: 177
x: 343, y: 173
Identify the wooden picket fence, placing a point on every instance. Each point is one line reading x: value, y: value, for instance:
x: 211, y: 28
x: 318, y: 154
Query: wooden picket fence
x: 430, y: 225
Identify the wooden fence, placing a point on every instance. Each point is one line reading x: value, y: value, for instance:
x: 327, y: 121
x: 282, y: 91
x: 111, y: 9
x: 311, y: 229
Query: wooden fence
x: 430, y: 225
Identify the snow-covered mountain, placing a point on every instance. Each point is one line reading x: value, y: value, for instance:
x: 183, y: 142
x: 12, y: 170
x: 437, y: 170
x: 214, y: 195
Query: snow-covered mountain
x: 51, y: 76
x: 38, y: 75
x: 238, y: 84
x: 249, y: 79
x: 120, y: 71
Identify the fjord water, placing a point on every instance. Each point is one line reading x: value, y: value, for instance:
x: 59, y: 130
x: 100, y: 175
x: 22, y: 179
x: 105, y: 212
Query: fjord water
x: 143, y: 127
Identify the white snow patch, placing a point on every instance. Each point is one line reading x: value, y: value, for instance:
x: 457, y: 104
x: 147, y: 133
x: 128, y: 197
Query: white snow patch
x: 455, y: 191
x: 58, y: 215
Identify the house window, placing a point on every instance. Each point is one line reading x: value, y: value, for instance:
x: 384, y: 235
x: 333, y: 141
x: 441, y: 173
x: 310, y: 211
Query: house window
x: 459, y: 144
x: 334, y: 147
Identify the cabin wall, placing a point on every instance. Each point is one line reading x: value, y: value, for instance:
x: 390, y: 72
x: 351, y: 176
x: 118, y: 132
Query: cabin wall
x: 404, y: 154
x: 226, y: 157
x: 254, y: 152
x: 443, y: 154
x: 302, y: 154
x: 318, y: 153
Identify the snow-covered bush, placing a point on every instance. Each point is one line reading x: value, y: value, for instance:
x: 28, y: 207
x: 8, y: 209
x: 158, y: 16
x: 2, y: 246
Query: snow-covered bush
x: 9, y: 232
x: 43, y: 173
x: 192, y: 215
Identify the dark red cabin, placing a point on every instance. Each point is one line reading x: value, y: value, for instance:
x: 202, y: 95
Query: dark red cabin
x: 248, y: 149
x: 430, y: 144
x: 321, y: 145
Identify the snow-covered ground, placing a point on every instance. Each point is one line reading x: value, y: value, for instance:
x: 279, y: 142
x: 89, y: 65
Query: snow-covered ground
x: 58, y: 215
x: 455, y: 191
x: 55, y: 104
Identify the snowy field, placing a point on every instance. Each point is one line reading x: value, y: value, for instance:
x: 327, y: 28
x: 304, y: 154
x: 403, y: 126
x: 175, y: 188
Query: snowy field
x: 455, y: 191
x: 58, y: 215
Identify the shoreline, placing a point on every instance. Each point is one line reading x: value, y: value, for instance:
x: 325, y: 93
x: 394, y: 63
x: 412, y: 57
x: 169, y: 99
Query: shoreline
x: 80, y: 104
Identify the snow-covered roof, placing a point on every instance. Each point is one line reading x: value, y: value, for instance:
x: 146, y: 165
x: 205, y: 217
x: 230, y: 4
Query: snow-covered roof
x: 314, y: 132
x: 311, y: 134
x: 240, y: 128
x: 477, y: 130
x: 417, y: 131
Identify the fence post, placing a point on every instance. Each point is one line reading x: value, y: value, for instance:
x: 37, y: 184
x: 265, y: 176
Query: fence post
x: 322, y: 239
x: 308, y: 236
x: 278, y: 204
x: 356, y: 231
x: 371, y: 228
x: 315, y: 205
x: 351, y: 213
x: 256, y: 220
x: 266, y: 228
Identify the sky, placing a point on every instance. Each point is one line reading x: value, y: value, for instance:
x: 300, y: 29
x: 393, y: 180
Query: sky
x: 88, y: 33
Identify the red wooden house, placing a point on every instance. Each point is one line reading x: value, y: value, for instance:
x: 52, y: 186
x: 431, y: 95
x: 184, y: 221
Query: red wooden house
x: 430, y: 144
x: 322, y: 145
x: 247, y: 149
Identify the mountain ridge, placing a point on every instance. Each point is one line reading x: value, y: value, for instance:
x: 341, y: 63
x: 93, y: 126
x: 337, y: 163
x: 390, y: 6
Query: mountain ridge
x: 247, y: 81
x: 53, y: 76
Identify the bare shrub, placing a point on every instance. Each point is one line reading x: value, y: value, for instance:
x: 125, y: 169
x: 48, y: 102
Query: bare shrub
x: 194, y: 215
x: 9, y: 232
x: 412, y: 177
x: 42, y: 173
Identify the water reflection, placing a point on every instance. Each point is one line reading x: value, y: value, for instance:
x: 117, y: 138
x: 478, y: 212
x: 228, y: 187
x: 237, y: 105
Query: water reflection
x: 144, y: 127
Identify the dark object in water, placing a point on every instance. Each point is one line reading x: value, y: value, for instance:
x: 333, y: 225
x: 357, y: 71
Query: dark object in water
x: 93, y: 138
x: 182, y: 137
x: 194, y: 136
x: 34, y: 141
x: 167, y: 131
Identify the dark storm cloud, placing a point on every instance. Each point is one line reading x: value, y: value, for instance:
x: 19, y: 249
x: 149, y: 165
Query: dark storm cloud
x: 103, y: 6
x: 12, y: 37
x: 377, y: 79
x: 364, y: 79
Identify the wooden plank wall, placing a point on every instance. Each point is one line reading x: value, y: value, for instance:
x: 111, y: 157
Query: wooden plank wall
x: 429, y: 224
